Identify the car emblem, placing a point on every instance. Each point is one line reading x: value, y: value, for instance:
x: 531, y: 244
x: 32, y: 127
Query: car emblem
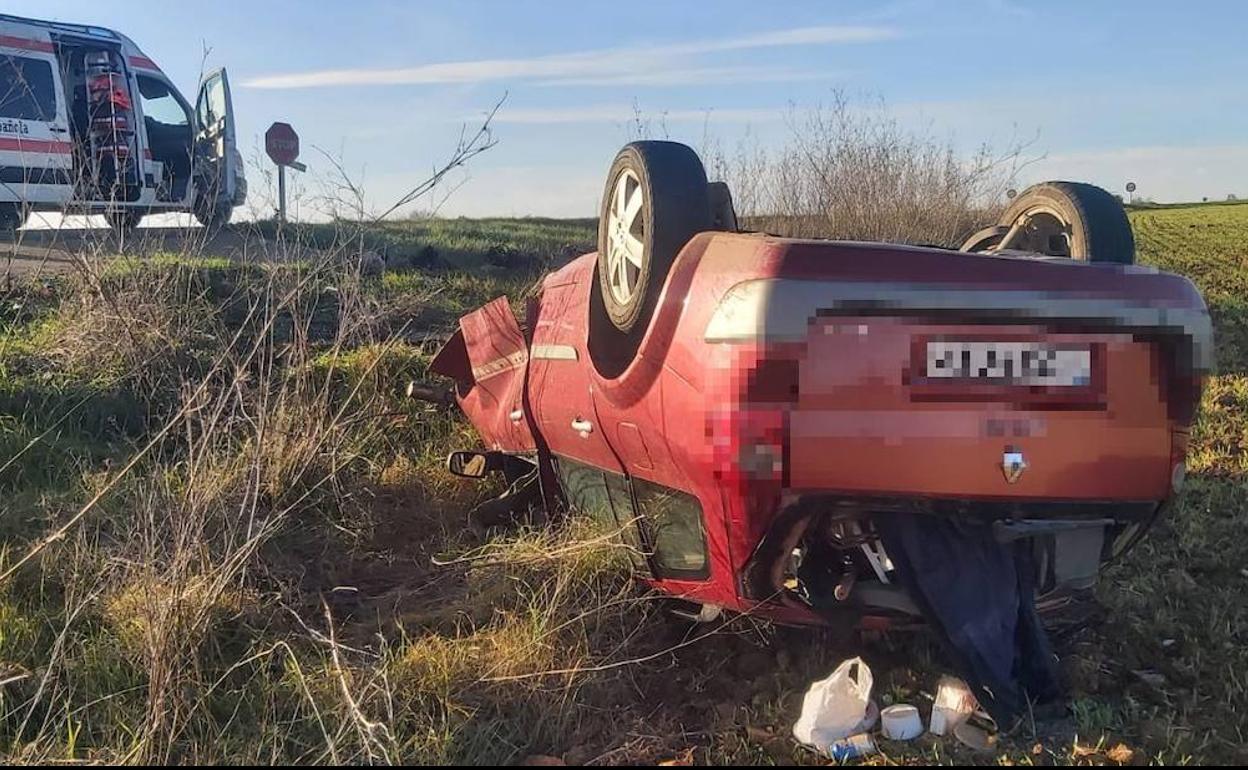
x: 1013, y: 464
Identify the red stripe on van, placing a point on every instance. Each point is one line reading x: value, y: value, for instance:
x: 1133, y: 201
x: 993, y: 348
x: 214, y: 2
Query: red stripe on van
x: 143, y: 63
x: 26, y: 44
x: 36, y: 145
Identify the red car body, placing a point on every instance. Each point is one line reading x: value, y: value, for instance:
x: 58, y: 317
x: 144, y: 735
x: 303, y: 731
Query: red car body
x: 778, y: 371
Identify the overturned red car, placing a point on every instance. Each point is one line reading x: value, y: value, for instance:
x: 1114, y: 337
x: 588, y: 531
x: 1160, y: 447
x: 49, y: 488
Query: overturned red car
x: 764, y: 417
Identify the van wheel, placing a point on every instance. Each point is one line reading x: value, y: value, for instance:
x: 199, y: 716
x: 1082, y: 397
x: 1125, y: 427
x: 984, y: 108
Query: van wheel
x: 214, y: 218
x: 123, y: 223
x: 655, y: 200
x: 1062, y: 219
x: 12, y: 216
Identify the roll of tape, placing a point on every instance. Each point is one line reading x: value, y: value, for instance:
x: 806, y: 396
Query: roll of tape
x: 901, y: 722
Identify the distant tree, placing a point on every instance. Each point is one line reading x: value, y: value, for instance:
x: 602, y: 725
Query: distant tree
x: 1204, y: 199
x: 1232, y: 197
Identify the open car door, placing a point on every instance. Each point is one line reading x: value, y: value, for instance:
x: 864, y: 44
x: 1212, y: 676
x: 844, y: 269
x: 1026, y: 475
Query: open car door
x: 488, y: 358
x: 216, y: 152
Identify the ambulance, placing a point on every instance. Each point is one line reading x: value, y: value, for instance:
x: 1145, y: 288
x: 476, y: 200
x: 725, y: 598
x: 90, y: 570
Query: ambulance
x: 90, y: 125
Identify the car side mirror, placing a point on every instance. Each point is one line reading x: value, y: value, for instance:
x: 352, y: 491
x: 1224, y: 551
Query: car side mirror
x: 470, y: 465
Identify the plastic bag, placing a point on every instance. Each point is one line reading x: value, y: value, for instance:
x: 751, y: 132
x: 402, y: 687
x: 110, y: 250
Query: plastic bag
x: 837, y: 707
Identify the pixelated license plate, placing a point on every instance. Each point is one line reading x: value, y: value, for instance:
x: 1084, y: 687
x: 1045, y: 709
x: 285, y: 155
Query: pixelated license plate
x: 1013, y: 363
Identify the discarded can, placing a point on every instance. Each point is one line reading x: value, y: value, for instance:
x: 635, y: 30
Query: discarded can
x: 853, y: 747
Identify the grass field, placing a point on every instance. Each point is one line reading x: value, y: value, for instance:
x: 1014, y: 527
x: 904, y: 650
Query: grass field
x: 226, y: 537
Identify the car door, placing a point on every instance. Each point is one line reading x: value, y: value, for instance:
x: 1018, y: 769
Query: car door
x: 488, y: 358
x: 561, y: 382
x: 216, y: 153
x: 36, y: 153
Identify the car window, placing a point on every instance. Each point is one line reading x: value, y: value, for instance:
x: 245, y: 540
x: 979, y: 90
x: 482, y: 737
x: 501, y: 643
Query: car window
x: 585, y: 488
x: 673, y: 520
x: 159, y: 103
x: 211, y: 102
x: 27, y: 89
x: 606, y: 498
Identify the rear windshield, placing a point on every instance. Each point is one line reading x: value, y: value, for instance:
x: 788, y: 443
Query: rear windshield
x: 27, y: 91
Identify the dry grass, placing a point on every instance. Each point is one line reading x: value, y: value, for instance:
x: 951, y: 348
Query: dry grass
x: 850, y: 171
x: 277, y: 569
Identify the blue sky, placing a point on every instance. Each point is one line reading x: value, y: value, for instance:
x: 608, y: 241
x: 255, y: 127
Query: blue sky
x: 1154, y: 92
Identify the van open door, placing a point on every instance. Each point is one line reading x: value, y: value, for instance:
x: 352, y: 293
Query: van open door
x: 216, y: 153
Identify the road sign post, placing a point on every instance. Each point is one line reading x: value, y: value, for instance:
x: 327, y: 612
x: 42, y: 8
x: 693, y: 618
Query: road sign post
x: 282, y: 145
x: 281, y: 195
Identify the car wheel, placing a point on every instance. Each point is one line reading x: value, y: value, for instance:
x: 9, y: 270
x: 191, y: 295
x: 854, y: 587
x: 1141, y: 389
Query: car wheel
x: 1062, y: 219
x: 655, y: 200
x: 984, y: 240
x: 723, y: 214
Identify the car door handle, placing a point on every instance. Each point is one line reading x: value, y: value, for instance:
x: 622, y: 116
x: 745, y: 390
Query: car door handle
x: 583, y: 427
x: 58, y: 129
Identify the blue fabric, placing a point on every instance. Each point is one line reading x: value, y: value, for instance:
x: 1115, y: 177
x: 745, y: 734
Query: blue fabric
x: 979, y: 597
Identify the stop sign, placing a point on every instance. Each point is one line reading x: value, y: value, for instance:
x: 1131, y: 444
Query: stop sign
x: 282, y: 144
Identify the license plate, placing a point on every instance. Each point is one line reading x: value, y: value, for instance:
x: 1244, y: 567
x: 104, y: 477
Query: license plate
x: 1013, y: 363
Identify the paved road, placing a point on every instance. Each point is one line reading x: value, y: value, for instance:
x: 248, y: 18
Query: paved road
x: 40, y: 252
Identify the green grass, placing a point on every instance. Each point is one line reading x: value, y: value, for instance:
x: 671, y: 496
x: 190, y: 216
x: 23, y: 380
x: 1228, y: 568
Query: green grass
x: 448, y: 658
x: 458, y: 243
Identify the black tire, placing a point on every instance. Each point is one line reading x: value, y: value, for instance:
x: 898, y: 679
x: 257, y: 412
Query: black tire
x: 674, y: 207
x: 723, y: 213
x: 12, y: 216
x: 982, y: 240
x: 1095, y: 225
x: 214, y: 218
x: 123, y: 222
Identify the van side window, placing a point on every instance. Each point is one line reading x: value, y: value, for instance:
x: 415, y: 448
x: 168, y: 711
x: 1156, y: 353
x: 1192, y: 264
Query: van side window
x: 27, y: 90
x: 674, y: 522
x: 159, y: 103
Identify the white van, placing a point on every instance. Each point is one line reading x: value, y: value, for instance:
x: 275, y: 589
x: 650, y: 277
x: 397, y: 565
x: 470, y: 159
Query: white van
x: 90, y: 125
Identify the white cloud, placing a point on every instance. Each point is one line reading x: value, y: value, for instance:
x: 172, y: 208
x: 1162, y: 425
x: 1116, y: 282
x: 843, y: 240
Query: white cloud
x: 693, y: 76
x: 605, y: 63
x: 626, y: 113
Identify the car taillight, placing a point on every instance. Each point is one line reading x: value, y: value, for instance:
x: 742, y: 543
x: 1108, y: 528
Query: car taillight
x: 749, y: 445
x: 748, y: 429
x: 772, y: 381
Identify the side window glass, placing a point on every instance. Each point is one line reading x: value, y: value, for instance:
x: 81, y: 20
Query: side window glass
x: 586, y: 491
x: 605, y: 498
x: 27, y: 90
x: 626, y: 518
x: 674, y: 522
x: 211, y: 103
x: 159, y: 104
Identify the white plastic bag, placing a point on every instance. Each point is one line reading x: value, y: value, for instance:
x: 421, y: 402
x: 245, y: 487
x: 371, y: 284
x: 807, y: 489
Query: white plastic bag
x: 837, y: 707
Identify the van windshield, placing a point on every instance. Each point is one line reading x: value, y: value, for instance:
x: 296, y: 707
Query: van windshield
x: 27, y: 90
